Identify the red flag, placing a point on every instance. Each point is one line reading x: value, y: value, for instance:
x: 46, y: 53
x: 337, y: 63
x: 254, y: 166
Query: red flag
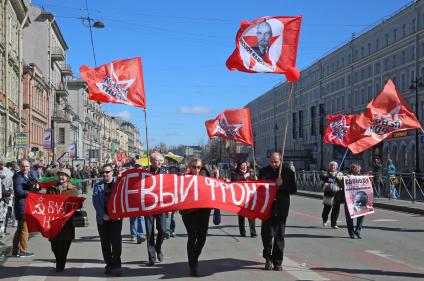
x: 337, y: 132
x: 48, y: 213
x: 266, y: 45
x: 385, y: 114
x: 120, y: 81
x: 232, y: 124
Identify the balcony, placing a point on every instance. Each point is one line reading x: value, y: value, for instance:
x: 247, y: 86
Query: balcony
x: 57, y: 54
x: 65, y: 69
x: 61, y: 90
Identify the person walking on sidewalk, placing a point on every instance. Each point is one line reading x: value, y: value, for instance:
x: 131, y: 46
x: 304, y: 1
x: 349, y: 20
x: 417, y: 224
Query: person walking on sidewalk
x: 23, y: 182
x: 241, y: 173
x: 109, y: 230
x: 332, y: 184
x: 61, y: 243
x: 273, y: 229
x: 154, y: 248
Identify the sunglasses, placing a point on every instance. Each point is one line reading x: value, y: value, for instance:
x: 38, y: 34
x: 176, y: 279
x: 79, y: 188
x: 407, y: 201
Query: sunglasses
x: 105, y: 172
x: 196, y: 167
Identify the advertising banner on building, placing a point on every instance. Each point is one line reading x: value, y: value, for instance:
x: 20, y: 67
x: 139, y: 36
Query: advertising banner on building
x: 21, y: 140
x: 359, y: 195
x: 72, y: 151
x: 47, y: 143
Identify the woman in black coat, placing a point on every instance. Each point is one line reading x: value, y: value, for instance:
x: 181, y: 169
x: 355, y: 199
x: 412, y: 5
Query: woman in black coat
x: 241, y: 174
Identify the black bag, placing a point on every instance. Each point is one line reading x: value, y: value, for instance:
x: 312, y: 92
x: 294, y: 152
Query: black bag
x: 80, y: 219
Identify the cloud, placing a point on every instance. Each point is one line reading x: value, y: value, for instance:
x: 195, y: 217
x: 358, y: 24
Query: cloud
x: 195, y: 110
x: 125, y: 115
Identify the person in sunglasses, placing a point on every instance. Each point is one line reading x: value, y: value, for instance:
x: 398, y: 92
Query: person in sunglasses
x: 196, y: 222
x: 109, y: 230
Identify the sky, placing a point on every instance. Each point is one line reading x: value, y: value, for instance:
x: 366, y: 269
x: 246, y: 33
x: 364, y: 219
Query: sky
x: 184, y: 46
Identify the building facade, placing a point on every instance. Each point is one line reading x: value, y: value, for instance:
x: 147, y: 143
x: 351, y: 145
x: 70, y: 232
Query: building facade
x: 36, y: 106
x: 45, y: 46
x: 13, y: 19
x: 345, y: 81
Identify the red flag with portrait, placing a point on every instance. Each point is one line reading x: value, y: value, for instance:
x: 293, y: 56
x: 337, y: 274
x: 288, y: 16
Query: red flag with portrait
x: 337, y: 132
x: 232, y: 124
x: 120, y: 81
x: 385, y: 114
x: 267, y: 45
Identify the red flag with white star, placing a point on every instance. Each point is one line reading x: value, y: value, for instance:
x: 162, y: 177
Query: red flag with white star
x: 120, y: 81
x: 385, y: 114
x: 232, y: 124
x: 266, y: 45
x: 337, y: 132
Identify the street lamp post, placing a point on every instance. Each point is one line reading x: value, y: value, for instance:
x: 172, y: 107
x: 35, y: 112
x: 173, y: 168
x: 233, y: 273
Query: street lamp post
x: 91, y: 23
x: 417, y: 83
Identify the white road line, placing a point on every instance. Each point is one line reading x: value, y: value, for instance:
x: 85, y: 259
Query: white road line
x: 29, y: 277
x: 91, y: 266
x: 389, y: 257
x: 384, y: 220
x: 299, y: 271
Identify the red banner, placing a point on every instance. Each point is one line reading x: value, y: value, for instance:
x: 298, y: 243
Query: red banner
x: 120, y: 81
x: 232, y: 124
x: 385, y: 114
x: 359, y: 195
x: 138, y: 193
x: 266, y: 45
x: 48, y: 213
x: 337, y: 132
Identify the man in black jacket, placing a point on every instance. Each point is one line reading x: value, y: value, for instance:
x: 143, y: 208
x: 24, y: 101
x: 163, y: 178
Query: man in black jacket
x: 273, y: 229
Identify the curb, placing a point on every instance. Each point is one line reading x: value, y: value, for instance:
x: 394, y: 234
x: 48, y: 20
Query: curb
x: 380, y: 205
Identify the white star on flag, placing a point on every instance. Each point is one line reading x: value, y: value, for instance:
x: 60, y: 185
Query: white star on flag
x: 112, y: 85
x: 229, y: 130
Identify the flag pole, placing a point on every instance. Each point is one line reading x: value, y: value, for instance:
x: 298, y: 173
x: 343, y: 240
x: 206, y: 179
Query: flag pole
x: 147, y: 137
x: 254, y: 161
x: 286, y: 128
x: 343, y: 159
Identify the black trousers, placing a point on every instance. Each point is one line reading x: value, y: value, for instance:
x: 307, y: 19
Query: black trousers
x: 241, y: 220
x: 196, y: 224
x: 334, y: 208
x: 273, y: 231
x: 60, y: 249
x: 111, y: 240
x: 152, y: 246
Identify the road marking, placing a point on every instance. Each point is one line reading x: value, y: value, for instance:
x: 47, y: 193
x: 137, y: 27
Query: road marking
x: 88, y: 268
x: 384, y: 220
x: 29, y: 277
x: 300, y: 271
x: 389, y: 257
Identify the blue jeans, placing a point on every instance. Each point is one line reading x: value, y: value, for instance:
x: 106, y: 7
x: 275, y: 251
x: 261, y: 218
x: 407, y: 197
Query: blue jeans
x: 359, y: 223
x: 170, y: 223
x: 137, y: 226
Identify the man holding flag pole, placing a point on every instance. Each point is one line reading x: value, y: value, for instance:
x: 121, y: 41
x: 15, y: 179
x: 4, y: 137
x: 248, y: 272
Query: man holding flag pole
x: 269, y: 45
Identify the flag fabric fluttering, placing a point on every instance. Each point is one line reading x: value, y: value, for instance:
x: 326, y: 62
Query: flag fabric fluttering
x: 120, y: 81
x: 337, y: 132
x: 267, y: 45
x: 232, y: 124
x: 385, y: 114
x: 46, y: 182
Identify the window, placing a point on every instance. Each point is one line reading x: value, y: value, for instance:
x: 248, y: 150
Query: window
x: 403, y: 57
x: 403, y: 30
x: 413, y: 25
x: 412, y: 74
x: 61, y: 138
x: 349, y: 59
x: 377, y: 44
x: 394, y: 35
x: 394, y: 61
x: 369, y: 93
x: 294, y: 124
x: 313, y: 115
x: 413, y: 53
x: 402, y: 82
x: 386, y: 39
x: 301, y: 123
x: 362, y: 52
x: 343, y: 62
x: 369, y: 48
x: 386, y: 64
x: 377, y: 68
x: 363, y: 97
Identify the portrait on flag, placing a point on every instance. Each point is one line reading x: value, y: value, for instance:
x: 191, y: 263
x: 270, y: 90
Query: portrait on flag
x: 120, y: 81
x: 267, y: 45
x: 359, y: 195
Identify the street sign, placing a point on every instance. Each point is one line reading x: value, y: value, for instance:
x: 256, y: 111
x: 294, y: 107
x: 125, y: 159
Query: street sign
x: 21, y: 140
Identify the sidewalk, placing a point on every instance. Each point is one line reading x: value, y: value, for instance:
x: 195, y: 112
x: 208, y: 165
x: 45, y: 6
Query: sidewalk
x: 6, y: 243
x: 382, y: 203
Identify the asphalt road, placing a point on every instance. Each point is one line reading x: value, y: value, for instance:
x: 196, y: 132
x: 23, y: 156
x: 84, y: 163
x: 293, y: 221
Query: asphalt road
x: 392, y: 248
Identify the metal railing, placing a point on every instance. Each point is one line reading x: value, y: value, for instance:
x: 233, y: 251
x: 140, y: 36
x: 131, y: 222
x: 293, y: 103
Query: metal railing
x: 408, y: 186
